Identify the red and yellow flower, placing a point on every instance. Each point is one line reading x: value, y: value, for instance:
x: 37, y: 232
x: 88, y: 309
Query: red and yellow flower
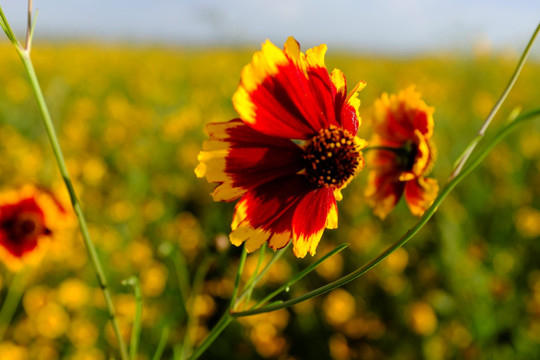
x: 403, y: 153
x: 292, y: 150
x: 28, y: 219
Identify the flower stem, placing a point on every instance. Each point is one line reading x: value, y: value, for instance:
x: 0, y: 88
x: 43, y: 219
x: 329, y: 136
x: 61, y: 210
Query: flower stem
x: 136, y: 331
x: 468, y: 151
x: 13, y: 297
x: 221, y: 325
x: 250, y: 285
x: 162, y: 343
x: 263, y: 272
x: 196, y: 289
x: 92, y: 252
x: 238, y: 276
x: 300, y: 275
x: 408, y: 235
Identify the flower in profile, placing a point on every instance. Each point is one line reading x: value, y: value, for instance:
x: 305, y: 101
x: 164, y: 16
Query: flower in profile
x: 402, y: 154
x: 28, y: 219
x: 290, y: 153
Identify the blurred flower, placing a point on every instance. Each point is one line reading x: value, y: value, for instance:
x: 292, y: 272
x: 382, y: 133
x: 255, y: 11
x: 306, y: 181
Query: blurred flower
x: 83, y: 333
x: 28, y: 219
x: 527, y: 220
x: 403, y: 154
x: 154, y: 279
x: 290, y: 153
x: 265, y: 332
x: 339, y: 349
x: 12, y: 351
x: 339, y: 306
x: 73, y: 294
x: 52, y: 321
x: 422, y: 318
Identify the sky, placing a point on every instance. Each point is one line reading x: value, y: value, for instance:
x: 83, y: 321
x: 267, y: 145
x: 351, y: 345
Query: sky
x: 375, y: 26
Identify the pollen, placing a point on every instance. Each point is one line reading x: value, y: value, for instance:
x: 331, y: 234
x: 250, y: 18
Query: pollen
x: 332, y: 157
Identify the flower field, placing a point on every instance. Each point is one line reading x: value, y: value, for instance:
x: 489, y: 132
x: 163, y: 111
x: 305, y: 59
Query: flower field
x: 131, y: 123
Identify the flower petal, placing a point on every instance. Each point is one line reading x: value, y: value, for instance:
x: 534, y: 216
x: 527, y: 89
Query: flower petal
x: 240, y: 158
x: 383, y: 192
x: 398, y: 116
x: 29, y: 218
x: 315, y: 212
x: 420, y: 194
x: 423, y: 156
x: 268, y: 209
x: 287, y: 94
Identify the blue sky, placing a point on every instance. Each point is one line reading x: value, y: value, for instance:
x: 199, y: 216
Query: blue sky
x: 389, y: 26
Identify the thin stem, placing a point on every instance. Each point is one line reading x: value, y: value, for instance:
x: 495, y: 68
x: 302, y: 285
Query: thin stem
x: 468, y: 151
x: 250, y: 285
x: 221, y: 325
x: 162, y: 343
x: 136, y: 332
x: 196, y: 289
x: 238, y: 276
x: 267, y: 267
x: 300, y: 275
x: 182, y: 274
x: 7, y: 29
x: 407, y: 236
x: 13, y: 297
x: 57, y: 150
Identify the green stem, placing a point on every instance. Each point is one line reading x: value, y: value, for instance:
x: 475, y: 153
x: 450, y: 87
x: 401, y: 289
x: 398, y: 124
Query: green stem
x: 4, y: 24
x: 162, y: 343
x: 49, y: 127
x: 407, y: 236
x: 196, y: 289
x: 221, y: 325
x: 238, y: 276
x: 182, y: 273
x: 300, y: 275
x: 267, y: 267
x: 136, y: 332
x: 468, y: 151
x: 250, y: 285
x: 13, y: 297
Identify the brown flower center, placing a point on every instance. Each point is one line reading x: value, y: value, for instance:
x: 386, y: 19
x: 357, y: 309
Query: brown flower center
x: 407, y: 155
x: 25, y: 226
x: 332, y: 157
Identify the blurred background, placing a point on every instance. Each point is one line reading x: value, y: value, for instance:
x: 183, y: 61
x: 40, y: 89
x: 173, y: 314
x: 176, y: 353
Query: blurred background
x: 130, y: 86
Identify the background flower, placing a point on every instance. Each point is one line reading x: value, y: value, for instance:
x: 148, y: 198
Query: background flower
x: 403, y: 153
x: 28, y: 220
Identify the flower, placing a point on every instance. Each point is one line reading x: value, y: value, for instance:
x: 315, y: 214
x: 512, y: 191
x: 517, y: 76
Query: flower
x: 28, y: 219
x: 403, y: 154
x: 290, y: 153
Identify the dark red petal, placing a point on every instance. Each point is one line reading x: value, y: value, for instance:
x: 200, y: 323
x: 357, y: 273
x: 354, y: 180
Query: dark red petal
x: 349, y: 119
x: 384, y: 191
x: 271, y: 205
x: 420, y: 193
x: 255, y: 158
x: 422, y: 123
x: 292, y: 106
x: 311, y: 218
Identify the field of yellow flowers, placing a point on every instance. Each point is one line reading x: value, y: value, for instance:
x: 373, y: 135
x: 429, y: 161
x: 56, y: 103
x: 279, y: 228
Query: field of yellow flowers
x: 130, y: 121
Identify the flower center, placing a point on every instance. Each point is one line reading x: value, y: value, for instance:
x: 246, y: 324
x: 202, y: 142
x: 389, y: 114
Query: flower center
x: 25, y: 226
x: 407, y: 155
x: 332, y: 157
